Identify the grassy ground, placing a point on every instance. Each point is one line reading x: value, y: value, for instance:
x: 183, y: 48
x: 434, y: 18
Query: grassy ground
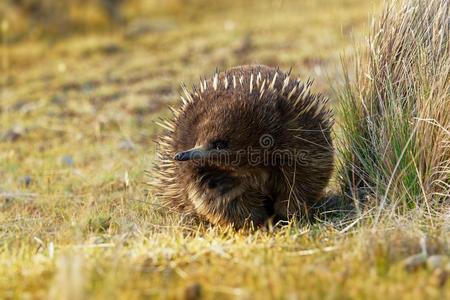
x: 76, y: 134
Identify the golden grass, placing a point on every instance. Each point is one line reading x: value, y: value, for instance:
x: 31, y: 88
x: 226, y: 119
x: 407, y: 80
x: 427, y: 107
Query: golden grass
x: 76, y: 131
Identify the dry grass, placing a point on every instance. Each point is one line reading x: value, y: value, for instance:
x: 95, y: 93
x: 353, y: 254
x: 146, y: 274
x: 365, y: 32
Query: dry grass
x: 396, y: 113
x: 76, y: 131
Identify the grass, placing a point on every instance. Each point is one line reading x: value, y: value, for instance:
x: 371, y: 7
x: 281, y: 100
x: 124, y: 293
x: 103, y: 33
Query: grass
x: 397, y: 114
x: 77, y: 131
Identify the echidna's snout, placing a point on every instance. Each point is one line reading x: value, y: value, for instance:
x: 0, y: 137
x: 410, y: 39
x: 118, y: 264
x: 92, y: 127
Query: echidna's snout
x: 211, y: 150
x: 192, y: 154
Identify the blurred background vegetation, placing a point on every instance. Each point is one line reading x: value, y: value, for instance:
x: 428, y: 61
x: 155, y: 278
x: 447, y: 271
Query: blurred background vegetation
x: 306, y: 35
x: 51, y: 19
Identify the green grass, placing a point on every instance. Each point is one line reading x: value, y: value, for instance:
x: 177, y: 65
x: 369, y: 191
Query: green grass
x: 76, y: 116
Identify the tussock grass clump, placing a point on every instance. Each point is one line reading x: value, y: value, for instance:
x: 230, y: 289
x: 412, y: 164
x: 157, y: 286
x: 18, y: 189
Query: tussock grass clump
x: 395, y: 143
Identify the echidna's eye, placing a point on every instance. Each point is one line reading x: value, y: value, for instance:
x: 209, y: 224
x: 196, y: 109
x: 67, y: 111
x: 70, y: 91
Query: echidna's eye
x: 218, y: 145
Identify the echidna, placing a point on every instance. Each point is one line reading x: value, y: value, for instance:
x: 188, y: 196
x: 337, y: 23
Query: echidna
x: 246, y: 145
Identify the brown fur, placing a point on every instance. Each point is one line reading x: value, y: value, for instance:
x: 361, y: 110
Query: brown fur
x: 242, y: 106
